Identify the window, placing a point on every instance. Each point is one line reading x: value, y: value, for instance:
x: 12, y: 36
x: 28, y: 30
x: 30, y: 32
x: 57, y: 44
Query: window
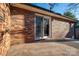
x: 42, y: 27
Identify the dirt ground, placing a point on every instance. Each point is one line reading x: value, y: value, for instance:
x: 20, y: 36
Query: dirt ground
x: 43, y: 49
x: 74, y: 44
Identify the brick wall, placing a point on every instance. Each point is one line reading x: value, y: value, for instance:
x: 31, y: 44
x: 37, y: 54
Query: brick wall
x: 22, y: 26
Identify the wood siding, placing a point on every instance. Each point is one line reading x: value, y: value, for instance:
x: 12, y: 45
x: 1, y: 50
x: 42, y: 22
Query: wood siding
x: 4, y: 28
x: 22, y: 25
x: 59, y: 29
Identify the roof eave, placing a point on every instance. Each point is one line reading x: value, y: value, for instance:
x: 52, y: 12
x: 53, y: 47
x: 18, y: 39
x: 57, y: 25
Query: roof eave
x: 40, y: 10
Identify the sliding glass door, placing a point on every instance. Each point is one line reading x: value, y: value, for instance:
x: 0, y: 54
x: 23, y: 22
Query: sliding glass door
x: 42, y: 27
x: 46, y: 27
x: 39, y: 27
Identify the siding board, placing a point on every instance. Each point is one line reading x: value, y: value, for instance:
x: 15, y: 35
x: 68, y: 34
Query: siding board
x: 22, y: 25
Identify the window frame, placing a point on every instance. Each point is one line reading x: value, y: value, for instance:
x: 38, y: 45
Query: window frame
x: 50, y: 25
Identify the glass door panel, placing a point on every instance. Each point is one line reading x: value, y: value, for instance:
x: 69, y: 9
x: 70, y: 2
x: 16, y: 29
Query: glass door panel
x: 39, y: 27
x: 46, y: 27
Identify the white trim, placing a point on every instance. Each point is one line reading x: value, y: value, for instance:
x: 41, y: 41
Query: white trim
x: 43, y: 27
x: 35, y: 28
x: 50, y: 28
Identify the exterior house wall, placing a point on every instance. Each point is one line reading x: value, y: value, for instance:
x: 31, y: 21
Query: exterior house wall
x: 59, y: 29
x: 70, y: 34
x: 22, y: 26
x: 4, y: 28
x: 77, y: 33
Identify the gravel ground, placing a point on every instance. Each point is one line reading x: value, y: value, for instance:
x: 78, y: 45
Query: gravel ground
x: 43, y: 49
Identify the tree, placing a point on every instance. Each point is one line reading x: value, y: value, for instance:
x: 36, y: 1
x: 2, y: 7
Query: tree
x: 52, y: 5
x: 74, y: 7
x: 70, y: 15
